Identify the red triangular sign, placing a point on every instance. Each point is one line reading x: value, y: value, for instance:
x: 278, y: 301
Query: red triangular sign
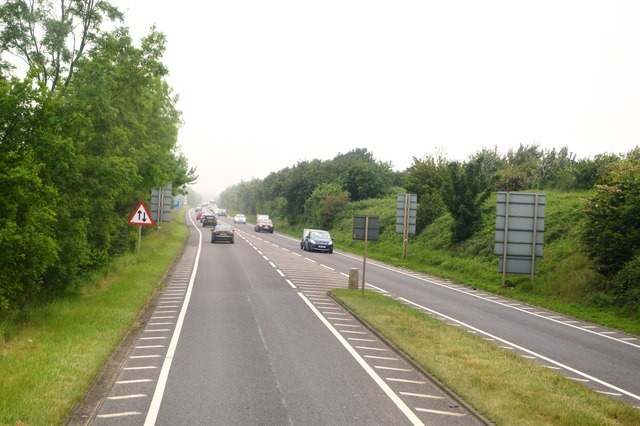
x: 141, y: 216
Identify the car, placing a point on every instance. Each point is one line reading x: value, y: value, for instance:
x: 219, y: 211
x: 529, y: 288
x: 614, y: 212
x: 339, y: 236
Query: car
x: 222, y: 233
x: 222, y: 212
x: 239, y: 218
x: 316, y: 240
x: 209, y: 220
x: 264, y: 225
x: 199, y: 215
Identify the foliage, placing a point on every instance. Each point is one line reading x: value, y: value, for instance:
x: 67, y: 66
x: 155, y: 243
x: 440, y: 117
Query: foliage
x: 626, y: 286
x: 83, y: 137
x: 612, y: 229
x: 464, y: 193
x: 325, y: 203
x: 52, y: 42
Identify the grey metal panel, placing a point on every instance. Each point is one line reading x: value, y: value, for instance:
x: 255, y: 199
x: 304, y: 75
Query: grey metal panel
x: 519, y: 237
x: 523, y: 210
x: 359, y: 223
x: 517, y: 265
x: 517, y: 249
x: 520, y: 223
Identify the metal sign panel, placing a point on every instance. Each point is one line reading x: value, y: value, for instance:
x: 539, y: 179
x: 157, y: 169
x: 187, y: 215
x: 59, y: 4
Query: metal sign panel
x: 161, y: 203
x: 519, y: 237
x: 359, y: 226
x: 402, y: 205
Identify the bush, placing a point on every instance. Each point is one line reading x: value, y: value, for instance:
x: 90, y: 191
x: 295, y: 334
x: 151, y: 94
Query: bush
x: 626, y: 285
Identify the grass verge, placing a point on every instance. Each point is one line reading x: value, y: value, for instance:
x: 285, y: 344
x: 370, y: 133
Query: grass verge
x: 47, y: 367
x: 502, y: 386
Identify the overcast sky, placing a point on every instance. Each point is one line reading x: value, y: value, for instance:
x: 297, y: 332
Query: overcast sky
x: 265, y: 84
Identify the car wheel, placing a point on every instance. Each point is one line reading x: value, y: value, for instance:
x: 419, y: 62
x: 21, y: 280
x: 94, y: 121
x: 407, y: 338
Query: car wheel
x: 330, y: 251
x: 213, y: 240
x: 232, y: 241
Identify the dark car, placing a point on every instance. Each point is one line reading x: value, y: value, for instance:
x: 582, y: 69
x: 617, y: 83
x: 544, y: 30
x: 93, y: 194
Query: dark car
x: 316, y: 240
x: 222, y: 233
x: 209, y: 220
x: 264, y: 225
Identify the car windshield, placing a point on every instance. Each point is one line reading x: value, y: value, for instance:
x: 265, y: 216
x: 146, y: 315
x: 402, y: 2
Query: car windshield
x: 240, y: 216
x: 320, y: 235
x: 223, y: 228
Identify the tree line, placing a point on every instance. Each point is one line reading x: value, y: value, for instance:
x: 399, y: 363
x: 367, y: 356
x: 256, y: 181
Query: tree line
x: 88, y: 126
x: 314, y: 193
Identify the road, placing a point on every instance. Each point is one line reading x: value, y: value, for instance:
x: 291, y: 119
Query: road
x: 245, y: 334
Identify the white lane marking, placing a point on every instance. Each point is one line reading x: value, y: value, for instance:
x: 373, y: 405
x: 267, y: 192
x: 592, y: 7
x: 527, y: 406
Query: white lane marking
x: 422, y: 395
x: 291, y: 283
x: 523, y: 349
x: 116, y: 398
x: 154, y: 408
x: 279, y: 272
x: 380, y: 382
x: 124, y: 414
x: 445, y: 413
x: 129, y: 382
x: 415, y: 382
x: 381, y: 367
x: 148, y: 367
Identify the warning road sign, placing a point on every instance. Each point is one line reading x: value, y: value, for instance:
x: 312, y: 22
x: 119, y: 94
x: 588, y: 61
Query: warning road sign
x: 141, y: 216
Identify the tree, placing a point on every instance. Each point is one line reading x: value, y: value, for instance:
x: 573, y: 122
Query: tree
x: 464, y: 192
x: 52, y: 41
x: 612, y: 230
x: 425, y: 178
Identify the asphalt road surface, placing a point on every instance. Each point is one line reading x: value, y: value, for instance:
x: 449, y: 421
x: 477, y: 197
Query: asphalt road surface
x: 245, y: 334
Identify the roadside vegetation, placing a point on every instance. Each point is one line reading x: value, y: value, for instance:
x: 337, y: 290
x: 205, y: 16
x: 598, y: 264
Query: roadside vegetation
x: 56, y: 351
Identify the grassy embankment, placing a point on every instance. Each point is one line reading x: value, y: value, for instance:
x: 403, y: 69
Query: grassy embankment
x: 51, y: 359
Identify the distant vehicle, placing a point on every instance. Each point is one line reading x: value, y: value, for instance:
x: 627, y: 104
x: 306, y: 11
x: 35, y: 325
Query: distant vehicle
x: 222, y: 212
x: 264, y: 224
x: 239, y: 218
x: 316, y: 240
x: 209, y: 220
x: 199, y: 214
x: 222, y: 233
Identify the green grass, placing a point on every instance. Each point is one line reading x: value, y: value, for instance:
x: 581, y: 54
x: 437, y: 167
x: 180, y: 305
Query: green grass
x: 504, y: 387
x: 60, y: 348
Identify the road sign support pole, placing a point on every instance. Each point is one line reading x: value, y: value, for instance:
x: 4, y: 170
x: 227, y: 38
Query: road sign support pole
x: 506, y: 241
x: 405, y: 227
x: 139, y: 238
x: 533, y: 244
x: 366, y: 239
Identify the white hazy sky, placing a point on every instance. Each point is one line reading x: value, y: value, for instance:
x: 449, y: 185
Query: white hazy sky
x: 265, y: 84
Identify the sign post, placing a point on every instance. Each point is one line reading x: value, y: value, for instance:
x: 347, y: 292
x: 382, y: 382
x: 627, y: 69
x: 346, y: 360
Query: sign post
x: 141, y: 217
x: 365, y: 228
x: 406, y: 206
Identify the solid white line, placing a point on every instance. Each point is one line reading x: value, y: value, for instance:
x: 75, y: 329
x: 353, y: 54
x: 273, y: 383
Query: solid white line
x: 415, y: 382
x: 154, y: 408
x: 385, y: 388
x: 523, y: 349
